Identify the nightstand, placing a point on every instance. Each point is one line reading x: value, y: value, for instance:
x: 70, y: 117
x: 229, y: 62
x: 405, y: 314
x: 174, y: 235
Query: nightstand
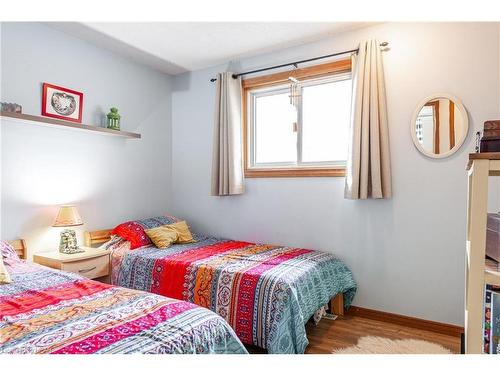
x: 93, y: 263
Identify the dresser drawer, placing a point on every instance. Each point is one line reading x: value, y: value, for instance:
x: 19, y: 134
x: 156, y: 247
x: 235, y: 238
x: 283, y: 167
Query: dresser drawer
x: 91, y: 268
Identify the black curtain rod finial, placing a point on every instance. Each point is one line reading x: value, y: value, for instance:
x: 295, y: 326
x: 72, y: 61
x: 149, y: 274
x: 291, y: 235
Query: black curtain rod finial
x: 215, y: 79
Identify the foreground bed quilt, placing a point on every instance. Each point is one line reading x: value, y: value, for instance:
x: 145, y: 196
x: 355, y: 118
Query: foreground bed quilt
x: 266, y: 293
x: 48, y: 311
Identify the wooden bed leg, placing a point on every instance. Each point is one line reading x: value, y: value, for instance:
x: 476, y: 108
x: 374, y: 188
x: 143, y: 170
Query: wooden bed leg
x: 337, y: 304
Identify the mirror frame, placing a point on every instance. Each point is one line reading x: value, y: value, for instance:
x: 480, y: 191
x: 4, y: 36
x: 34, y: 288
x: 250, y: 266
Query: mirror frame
x: 459, y: 143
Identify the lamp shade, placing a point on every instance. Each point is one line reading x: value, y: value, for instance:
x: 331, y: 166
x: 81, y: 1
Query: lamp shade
x: 67, y: 216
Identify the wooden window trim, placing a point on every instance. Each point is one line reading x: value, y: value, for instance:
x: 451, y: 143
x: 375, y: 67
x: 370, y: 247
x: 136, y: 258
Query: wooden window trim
x: 295, y: 172
x: 316, y: 71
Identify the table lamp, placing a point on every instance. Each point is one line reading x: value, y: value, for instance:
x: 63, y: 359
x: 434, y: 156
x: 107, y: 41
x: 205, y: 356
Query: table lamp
x: 68, y: 216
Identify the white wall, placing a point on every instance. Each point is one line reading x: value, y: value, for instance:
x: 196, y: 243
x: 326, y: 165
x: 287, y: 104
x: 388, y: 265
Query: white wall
x: 0, y: 135
x: 407, y: 253
x: 109, y: 179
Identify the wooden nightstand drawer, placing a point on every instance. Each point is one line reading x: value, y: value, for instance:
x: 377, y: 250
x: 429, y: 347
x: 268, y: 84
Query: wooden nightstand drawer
x: 92, y: 263
x: 91, y: 268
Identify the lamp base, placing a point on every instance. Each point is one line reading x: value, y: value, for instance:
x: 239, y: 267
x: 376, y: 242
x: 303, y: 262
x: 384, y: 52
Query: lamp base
x: 71, y: 251
x: 68, y: 243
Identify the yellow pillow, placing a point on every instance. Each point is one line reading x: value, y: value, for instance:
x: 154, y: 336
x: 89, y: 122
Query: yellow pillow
x: 162, y: 237
x: 4, y: 275
x: 182, y: 229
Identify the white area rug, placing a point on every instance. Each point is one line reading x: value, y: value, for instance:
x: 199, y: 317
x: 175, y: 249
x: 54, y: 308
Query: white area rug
x: 381, y: 345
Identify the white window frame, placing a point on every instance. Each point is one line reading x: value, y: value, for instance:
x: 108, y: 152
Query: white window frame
x: 251, y: 128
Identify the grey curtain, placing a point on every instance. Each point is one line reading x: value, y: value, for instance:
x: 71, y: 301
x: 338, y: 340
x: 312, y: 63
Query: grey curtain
x: 368, y: 171
x: 227, y: 161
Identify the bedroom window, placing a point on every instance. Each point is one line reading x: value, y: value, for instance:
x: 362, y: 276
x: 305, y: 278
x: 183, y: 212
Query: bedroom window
x: 298, y: 126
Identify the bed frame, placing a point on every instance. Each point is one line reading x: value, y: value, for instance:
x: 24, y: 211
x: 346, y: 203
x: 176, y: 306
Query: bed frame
x: 97, y: 237
x: 20, y: 247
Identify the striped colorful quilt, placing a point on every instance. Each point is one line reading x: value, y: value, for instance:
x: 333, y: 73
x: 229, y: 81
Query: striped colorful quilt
x: 266, y: 293
x: 48, y: 311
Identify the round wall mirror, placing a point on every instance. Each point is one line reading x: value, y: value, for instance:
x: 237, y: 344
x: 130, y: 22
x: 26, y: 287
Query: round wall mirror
x: 439, y: 126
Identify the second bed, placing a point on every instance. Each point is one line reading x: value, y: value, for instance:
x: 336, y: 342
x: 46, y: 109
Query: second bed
x: 265, y: 292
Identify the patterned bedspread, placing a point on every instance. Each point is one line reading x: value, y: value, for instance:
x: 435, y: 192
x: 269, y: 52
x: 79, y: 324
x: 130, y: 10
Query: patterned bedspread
x: 266, y: 293
x: 48, y: 311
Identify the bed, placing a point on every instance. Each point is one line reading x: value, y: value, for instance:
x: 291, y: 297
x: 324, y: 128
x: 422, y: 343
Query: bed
x: 48, y: 311
x: 266, y: 293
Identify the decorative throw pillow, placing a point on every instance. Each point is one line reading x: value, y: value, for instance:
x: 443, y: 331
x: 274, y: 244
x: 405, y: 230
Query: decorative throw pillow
x: 8, y: 251
x: 182, y: 229
x: 4, y: 275
x: 133, y: 232
x: 162, y: 237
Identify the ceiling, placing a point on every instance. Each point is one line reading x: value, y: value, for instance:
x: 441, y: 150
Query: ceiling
x: 177, y: 47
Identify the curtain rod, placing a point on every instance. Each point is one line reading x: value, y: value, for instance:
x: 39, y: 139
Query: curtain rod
x: 295, y: 63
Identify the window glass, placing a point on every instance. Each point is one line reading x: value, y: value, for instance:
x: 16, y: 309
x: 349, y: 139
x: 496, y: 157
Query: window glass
x: 325, y: 121
x: 276, y: 141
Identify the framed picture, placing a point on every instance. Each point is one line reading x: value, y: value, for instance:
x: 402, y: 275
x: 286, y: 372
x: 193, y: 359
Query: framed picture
x: 62, y: 103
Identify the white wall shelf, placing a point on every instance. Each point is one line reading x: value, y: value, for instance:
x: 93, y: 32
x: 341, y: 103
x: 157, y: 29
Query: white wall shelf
x: 48, y: 121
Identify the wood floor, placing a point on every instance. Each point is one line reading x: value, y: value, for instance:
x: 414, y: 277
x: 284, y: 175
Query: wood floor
x: 330, y: 335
